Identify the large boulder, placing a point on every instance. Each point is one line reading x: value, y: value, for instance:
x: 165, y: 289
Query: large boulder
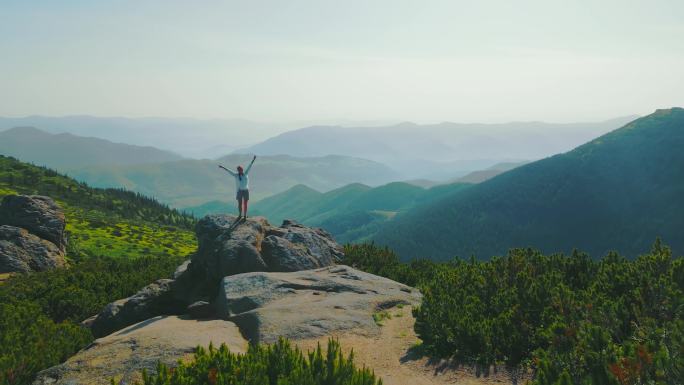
x: 226, y: 247
x: 21, y: 251
x: 123, y: 355
x: 307, y: 304
x: 40, y: 215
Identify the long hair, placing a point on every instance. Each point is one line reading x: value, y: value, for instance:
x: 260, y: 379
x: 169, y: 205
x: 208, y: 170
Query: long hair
x: 240, y: 172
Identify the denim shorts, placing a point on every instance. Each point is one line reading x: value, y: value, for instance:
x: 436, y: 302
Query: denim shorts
x: 242, y: 195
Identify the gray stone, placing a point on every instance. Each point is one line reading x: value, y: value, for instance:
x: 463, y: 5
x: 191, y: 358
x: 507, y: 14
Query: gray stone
x: 201, y: 310
x: 226, y: 247
x: 307, y: 304
x: 40, y: 215
x: 152, y: 300
x: 181, y: 269
x: 21, y: 251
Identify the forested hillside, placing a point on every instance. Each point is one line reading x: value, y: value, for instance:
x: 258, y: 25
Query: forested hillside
x: 617, y: 192
x: 118, y: 242
x: 105, y: 222
x: 351, y: 213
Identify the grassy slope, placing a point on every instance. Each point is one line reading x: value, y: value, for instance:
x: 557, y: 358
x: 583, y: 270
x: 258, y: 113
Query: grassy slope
x: 619, y: 191
x: 103, y: 222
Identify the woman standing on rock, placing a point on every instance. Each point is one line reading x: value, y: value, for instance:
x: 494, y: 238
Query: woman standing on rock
x: 242, y: 187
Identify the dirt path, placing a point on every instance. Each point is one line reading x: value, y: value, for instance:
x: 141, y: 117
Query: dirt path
x: 389, y: 355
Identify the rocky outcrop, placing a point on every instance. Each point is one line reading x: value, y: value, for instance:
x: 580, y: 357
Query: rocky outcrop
x: 123, y: 355
x: 39, y: 215
x: 248, y: 281
x: 32, y: 236
x: 307, y: 304
x: 21, y: 251
x: 225, y: 247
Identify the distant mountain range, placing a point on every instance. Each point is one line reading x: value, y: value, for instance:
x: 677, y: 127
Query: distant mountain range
x: 177, y: 181
x: 351, y: 213
x: 440, y: 152
x: 196, y: 138
x: 189, y: 183
x: 437, y: 151
x: 619, y: 191
x: 193, y: 138
x: 67, y: 151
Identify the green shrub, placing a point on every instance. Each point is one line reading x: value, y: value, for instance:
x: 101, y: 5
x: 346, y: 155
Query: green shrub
x: 571, y: 318
x: 40, y: 312
x: 277, y: 364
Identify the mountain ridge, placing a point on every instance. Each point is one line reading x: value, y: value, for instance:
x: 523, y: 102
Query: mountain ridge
x: 353, y: 212
x: 437, y: 151
x: 65, y: 150
x: 598, y: 197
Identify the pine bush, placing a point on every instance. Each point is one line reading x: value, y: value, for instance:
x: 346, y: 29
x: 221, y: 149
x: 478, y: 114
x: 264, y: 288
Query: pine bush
x: 277, y: 364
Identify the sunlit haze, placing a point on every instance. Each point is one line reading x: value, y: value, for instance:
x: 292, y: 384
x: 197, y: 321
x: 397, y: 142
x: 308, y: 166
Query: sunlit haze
x: 283, y: 61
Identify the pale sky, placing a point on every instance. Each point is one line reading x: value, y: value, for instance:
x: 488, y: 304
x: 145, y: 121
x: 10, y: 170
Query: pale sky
x: 285, y: 60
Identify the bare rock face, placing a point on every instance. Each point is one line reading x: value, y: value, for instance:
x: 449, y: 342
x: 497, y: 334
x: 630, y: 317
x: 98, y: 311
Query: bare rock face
x: 21, y: 251
x: 40, y: 215
x: 307, y: 304
x: 32, y: 234
x: 226, y: 247
x: 122, y: 356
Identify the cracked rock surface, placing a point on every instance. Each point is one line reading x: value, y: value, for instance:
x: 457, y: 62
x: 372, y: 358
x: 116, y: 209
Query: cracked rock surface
x: 307, y: 304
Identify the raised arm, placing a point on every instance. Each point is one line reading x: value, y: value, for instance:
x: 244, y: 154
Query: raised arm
x: 229, y: 172
x: 250, y: 165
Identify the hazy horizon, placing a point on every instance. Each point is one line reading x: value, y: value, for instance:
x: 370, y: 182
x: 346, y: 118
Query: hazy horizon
x: 306, y: 60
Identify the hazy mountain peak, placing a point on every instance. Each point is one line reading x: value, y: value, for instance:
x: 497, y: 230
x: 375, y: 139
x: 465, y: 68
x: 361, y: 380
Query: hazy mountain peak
x: 70, y: 151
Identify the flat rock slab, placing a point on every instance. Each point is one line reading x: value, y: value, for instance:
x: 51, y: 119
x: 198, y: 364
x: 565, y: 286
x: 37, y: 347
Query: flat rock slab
x: 308, y: 304
x: 124, y: 354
